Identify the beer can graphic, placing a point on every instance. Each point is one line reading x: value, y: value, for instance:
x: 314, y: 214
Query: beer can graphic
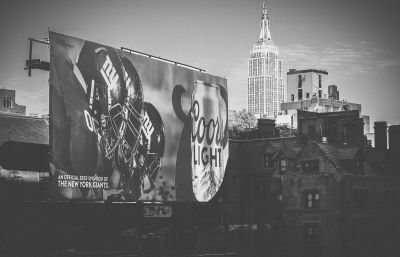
x: 209, y: 154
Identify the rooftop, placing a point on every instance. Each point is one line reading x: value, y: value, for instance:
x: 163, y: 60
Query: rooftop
x: 248, y: 153
x: 24, y: 129
x: 294, y: 71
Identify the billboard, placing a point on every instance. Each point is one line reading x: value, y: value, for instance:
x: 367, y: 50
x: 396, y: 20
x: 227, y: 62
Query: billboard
x: 127, y: 126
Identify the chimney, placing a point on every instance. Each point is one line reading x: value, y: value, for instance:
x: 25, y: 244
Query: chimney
x: 266, y: 128
x: 380, y: 135
x: 394, y: 138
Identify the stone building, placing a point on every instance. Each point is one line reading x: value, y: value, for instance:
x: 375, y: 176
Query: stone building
x: 7, y: 102
x: 316, y: 197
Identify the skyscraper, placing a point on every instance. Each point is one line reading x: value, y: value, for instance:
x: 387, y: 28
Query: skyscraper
x: 266, y: 84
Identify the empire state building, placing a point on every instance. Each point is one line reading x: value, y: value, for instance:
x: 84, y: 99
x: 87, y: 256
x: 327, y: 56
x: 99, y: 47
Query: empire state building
x: 266, y: 85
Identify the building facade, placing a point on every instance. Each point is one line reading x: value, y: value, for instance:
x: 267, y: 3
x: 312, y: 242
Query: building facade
x: 316, y: 197
x: 344, y: 128
x: 308, y: 90
x: 305, y: 84
x: 7, y: 102
x: 266, y: 83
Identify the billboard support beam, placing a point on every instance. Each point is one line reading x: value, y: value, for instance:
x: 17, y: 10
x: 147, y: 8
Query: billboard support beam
x: 162, y: 59
x: 36, y: 63
x: 30, y: 57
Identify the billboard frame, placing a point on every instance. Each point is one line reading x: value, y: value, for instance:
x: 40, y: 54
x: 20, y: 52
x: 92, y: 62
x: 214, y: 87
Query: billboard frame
x: 51, y: 140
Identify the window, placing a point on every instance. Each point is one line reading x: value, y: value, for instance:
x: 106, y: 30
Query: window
x: 277, y: 200
x: 311, y: 198
x: 279, y: 197
x: 311, y: 166
x: 360, y: 198
x: 300, y: 82
x: 319, y: 81
x: 300, y: 94
x: 307, y: 95
x: 311, y: 231
x: 268, y: 162
x: 7, y: 102
x: 319, y: 93
x: 282, y: 165
x: 292, y: 98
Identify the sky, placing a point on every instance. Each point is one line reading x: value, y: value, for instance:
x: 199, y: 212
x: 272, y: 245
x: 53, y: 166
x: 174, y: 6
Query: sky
x: 355, y: 41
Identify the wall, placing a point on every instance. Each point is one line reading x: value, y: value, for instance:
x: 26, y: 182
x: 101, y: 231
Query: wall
x: 310, y: 84
x: 338, y: 127
x: 322, y: 105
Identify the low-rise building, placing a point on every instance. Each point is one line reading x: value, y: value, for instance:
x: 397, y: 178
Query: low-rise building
x: 289, y: 109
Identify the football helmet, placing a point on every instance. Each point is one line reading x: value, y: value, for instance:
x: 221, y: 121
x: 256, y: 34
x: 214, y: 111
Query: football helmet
x: 115, y: 96
x: 151, y: 148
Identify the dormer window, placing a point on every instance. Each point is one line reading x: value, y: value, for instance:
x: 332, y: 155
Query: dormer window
x: 283, y: 163
x: 268, y: 162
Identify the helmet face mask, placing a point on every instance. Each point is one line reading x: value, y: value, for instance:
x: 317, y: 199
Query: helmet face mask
x: 133, y: 124
x: 115, y: 99
x: 114, y: 130
x: 125, y: 128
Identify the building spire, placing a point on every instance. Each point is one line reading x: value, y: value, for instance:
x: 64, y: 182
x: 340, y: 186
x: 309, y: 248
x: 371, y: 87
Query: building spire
x: 265, y: 33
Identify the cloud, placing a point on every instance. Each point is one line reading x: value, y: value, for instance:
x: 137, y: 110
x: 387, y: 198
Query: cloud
x: 32, y: 92
x: 237, y: 85
x: 341, y: 58
x: 10, y: 82
x: 206, y: 64
x: 343, y: 44
x: 235, y: 71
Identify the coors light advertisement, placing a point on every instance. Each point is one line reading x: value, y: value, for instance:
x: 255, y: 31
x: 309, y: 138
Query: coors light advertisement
x: 130, y: 127
x: 208, y: 140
